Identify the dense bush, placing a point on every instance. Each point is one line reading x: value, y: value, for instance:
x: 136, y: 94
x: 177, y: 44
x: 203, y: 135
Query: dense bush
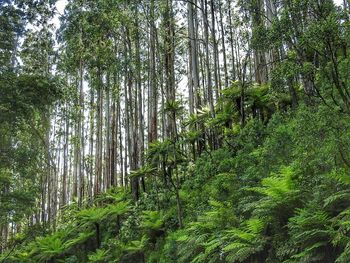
x: 273, y: 193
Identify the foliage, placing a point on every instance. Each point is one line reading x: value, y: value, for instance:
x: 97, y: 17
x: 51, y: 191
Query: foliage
x: 258, y: 171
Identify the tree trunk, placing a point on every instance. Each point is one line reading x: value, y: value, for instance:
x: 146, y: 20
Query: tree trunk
x: 204, y: 7
x: 153, y: 95
x: 223, y: 44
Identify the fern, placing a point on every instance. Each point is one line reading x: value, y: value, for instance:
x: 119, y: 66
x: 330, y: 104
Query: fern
x: 344, y: 257
x: 92, y: 215
x: 117, y: 209
x: 99, y: 255
x: 245, y: 241
x: 173, y: 106
x: 308, y: 255
x: 81, y: 238
x: 152, y: 220
x: 279, y: 198
x: 98, y: 214
x: 278, y: 185
x: 136, y: 246
x: 311, y: 232
x: 113, y: 195
x: 46, y: 248
x: 337, y: 198
x: 340, y: 175
x: 144, y: 171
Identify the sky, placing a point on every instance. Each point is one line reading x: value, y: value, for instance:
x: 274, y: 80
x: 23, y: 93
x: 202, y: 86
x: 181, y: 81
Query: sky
x: 60, y: 5
x: 338, y: 2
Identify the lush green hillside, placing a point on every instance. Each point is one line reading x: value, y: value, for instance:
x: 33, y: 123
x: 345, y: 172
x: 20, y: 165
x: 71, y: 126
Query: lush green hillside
x: 275, y: 192
x: 175, y: 131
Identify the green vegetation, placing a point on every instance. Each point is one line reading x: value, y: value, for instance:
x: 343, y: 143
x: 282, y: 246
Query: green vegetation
x: 106, y: 156
x: 272, y: 193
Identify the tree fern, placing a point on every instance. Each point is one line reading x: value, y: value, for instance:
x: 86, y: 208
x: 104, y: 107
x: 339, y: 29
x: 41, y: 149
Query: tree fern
x: 311, y: 232
x: 143, y: 171
x: 245, y: 241
x: 81, y: 238
x: 112, y: 195
x: 92, y: 215
x: 117, y: 209
x: 279, y: 197
x: 152, y: 220
x: 136, y: 246
x: 340, y: 199
x: 277, y: 185
x: 48, y: 247
x: 99, y: 255
x: 98, y: 214
x: 344, y: 257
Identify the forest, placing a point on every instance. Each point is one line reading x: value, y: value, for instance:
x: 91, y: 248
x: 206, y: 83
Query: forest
x: 175, y: 131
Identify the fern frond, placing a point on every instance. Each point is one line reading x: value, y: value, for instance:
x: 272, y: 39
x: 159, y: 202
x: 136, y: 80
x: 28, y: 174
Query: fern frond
x: 98, y: 256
